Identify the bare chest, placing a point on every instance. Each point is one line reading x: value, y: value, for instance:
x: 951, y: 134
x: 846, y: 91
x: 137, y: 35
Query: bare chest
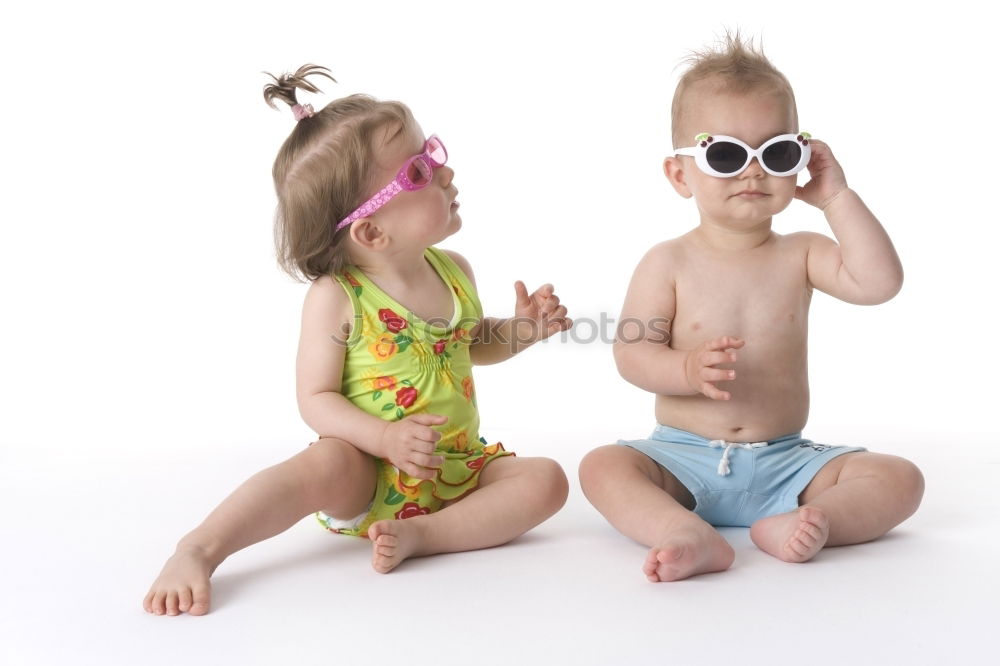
x: 763, y: 295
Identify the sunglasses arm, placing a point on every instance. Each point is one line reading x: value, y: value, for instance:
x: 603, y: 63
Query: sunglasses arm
x: 367, y: 208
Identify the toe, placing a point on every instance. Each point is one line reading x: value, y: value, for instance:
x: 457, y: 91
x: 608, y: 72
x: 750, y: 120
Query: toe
x: 670, y: 554
x: 797, y: 548
x: 184, y: 600
x: 201, y: 600
x: 388, y: 540
x: 814, y: 516
x: 377, y: 530
x: 172, y: 603
x: 157, y: 604
x: 808, y: 530
x: 649, y: 566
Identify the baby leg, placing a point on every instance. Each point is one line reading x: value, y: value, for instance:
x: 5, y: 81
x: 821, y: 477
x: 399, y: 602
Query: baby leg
x: 647, y: 503
x: 331, y: 475
x: 856, y: 497
x: 514, y: 495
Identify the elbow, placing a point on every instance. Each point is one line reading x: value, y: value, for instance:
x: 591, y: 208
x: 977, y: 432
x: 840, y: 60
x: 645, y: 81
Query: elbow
x: 304, y: 402
x: 620, y: 351
x: 886, y: 290
x: 895, y: 286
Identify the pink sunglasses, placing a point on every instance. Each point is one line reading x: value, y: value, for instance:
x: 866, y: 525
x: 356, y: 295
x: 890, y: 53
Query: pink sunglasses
x: 415, y: 175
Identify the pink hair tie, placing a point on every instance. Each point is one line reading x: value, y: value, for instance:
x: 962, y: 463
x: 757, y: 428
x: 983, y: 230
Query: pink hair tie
x: 301, y: 111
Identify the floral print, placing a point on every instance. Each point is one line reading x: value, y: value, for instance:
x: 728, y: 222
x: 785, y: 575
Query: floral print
x: 384, y: 347
x: 383, y: 383
x: 401, y: 365
x: 405, y: 397
x: 411, y: 509
x: 393, y: 321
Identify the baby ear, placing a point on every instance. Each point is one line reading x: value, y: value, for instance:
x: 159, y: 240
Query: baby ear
x: 369, y: 235
x: 673, y: 169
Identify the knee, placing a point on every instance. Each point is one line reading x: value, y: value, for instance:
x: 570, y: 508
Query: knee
x: 330, y: 462
x: 594, y: 466
x: 552, y: 480
x: 907, y: 482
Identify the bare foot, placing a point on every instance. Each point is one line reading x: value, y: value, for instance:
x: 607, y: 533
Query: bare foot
x: 795, y: 536
x: 182, y: 586
x: 687, y: 553
x: 393, y: 541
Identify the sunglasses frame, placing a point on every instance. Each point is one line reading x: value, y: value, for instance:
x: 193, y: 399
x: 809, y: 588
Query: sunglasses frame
x: 400, y: 183
x: 700, y: 153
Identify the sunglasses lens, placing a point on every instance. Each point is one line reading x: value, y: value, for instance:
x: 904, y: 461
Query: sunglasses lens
x: 418, y: 173
x: 726, y: 157
x: 436, y: 151
x: 782, y: 156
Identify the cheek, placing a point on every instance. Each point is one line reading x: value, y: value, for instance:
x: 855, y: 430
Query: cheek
x: 785, y: 187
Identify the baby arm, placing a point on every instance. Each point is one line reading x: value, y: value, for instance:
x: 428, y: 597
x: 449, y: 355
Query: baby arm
x: 864, y: 268
x: 408, y: 444
x: 642, y: 345
x: 536, y: 317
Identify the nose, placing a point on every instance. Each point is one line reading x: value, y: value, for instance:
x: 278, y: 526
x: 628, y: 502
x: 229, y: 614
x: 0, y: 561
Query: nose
x: 446, y: 174
x: 754, y: 169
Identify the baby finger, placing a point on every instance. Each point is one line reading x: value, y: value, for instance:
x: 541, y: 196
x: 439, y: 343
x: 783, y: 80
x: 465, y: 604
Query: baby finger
x: 714, y: 393
x: 425, y: 434
x: 711, y: 358
x: 717, y: 375
x: 427, y: 461
x: 558, y: 313
x: 417, y: 472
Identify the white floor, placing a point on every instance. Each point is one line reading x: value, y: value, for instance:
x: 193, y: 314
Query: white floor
x: 83, y: 541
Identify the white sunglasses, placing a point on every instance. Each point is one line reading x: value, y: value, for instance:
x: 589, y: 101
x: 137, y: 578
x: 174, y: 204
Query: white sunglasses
x: 725, y: 156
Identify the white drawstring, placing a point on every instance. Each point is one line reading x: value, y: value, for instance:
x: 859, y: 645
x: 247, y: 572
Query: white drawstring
x: 721, y: 443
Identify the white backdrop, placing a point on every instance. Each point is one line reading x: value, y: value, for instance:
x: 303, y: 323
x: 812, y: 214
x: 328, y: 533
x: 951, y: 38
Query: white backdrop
x: 138, y: 268
x: 146, y: 318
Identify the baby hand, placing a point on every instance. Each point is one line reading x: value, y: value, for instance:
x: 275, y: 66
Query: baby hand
x: 541, y: 312
x: 700, y: 362
x: 409, y: 443
x: 826, y: 177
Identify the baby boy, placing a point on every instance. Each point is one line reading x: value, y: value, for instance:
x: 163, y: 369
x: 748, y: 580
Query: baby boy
x: 714, y: 323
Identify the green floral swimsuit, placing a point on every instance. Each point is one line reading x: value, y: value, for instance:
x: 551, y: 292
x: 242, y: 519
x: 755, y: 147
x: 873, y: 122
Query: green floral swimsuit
x: 396, y: 365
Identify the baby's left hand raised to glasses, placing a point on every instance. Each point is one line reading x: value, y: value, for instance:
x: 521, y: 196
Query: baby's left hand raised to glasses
x: 826, y: 177
x: 539, y: 315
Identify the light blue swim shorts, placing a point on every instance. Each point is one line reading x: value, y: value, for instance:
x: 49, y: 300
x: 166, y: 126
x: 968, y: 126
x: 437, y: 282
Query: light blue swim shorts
x: 737, y: 483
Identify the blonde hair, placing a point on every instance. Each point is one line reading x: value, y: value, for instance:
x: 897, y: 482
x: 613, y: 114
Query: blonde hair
x: 738, y: 67
x: 323, y: 172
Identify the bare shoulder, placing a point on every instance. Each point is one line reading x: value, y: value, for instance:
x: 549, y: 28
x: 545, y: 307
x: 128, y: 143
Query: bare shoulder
x: 463, y: 263
x: 805, y: 241
x: 651, y: 292
x: 663, y: 260
x: 327, y: 307
x: 327, y: 315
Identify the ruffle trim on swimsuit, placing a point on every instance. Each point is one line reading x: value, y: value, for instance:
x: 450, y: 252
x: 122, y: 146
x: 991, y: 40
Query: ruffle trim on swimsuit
x: 729, y: 446
x: 458, y: 475
x: 400, y: 496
